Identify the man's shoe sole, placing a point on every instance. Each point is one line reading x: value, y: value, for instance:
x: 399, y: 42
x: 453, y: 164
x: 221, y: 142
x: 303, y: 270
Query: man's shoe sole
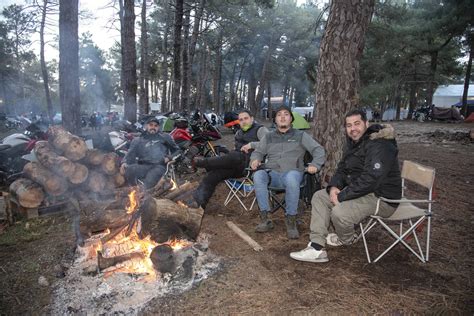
x: 320, y: 260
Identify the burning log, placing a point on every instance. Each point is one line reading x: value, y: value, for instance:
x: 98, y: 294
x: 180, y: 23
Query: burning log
x: 52, y: 183
x: 184, y: 189
x: 28, y: 193
x: 153, y: 211
x: 163, y: 259
x: 96, y: 217
x: 109, y: 164
x: 71, y: 146
x: 105, y: 263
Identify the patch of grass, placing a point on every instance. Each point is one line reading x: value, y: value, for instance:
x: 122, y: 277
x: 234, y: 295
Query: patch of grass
x: 27, y: 231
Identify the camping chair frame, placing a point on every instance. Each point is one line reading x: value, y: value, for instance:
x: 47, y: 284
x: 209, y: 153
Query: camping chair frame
x: 406, y: 212
x: 240, y: 188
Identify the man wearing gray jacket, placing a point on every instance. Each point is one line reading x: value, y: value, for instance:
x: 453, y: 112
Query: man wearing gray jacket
x: 283, y: 150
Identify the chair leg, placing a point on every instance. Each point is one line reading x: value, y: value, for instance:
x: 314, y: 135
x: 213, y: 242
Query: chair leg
x: 363, y: 232
x: 416, y: 239
x: 400, y: 239
x: 428, y: 235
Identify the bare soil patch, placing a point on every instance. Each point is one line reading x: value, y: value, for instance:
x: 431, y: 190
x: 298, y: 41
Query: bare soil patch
x: 270, y: 281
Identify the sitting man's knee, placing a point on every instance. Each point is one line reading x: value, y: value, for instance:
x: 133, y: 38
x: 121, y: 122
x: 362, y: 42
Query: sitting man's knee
x: 319, y: 195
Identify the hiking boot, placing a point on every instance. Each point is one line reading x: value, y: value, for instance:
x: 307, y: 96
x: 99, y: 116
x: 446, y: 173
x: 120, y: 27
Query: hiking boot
x: 265, y: 224
x: 309, y: 254
x: 291, y: 227
x: 332, y: 239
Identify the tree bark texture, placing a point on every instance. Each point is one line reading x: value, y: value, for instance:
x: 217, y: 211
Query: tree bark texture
x: 185, y: 84
x: 338, y: 74
x: 178, y: 25
x: 69, y: 96
x: 143, y: 101
x: 129, y: 57
x: 44, y: 69
x: 467, y: 78
x: 164, y: 65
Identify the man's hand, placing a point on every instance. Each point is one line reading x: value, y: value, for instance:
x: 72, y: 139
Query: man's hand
x: 333, y: 192
x: 254, y: 164
x: 246, y: 148
x: 311, y: 169
x: 122, y: 168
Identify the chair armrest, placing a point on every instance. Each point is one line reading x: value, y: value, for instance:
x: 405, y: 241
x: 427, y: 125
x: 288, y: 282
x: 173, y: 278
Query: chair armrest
x: 406, y: 200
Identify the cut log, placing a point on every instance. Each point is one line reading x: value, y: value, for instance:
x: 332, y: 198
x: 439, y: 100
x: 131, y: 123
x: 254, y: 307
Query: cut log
x: 255, y: 245
x: 99, y: 218
x: 155, y: 210
x: 187, y: 186
x: 96, y: 181
x: 94, y: 157
x: 50, y: 159
x: 79, y: 175
x: 26, y: 192
x: 69, y: 145
x: 52, y: 183
x: 105, y: 263
x: 109, y: 164
x: 119, y: 180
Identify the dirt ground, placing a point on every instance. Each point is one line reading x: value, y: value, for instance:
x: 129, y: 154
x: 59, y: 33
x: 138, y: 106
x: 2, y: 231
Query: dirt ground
x: 270, y: 281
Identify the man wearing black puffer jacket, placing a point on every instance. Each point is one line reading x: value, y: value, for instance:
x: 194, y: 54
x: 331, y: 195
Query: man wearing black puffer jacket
x: 368, y: 169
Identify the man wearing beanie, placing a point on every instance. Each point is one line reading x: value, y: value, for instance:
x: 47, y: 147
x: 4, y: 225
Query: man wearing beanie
x: 283, y: 150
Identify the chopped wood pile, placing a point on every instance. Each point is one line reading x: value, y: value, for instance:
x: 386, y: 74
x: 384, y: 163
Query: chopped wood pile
x: 64, y: 164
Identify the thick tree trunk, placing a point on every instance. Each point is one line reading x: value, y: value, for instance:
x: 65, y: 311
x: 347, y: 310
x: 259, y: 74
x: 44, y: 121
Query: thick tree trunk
x: 178, y: 25
x: 44, y: 69
x: 185, y: 89
x: 143, y: 100
x: 432, y: 83
x: 216, y: 78
x: 69, y: 96
x: 338, y: 74
x: 129, y: 56
x: 467, y: 78
x: 164, y: 66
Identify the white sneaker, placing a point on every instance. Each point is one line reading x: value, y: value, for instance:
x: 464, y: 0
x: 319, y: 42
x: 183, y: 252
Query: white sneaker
x: 332, y: 239
x: 309, y: 254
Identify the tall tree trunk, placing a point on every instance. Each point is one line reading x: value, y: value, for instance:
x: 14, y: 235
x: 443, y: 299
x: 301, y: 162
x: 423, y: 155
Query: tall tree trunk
x: 338, y: 74
x: 178, y: 25
x: 69, y: 96
x: 467, y: 78
x: 185, y: 89
x: 412, y: 101
x: 44, y: 69
x: 129, y: 57
x: 252, y: 89
x: 269, y: 98
x: 192, y: 46
x: 143, y: 100
x: 432, y: 83
x: 216, y: 80
x: 264, y: 74
x: 164, y: 66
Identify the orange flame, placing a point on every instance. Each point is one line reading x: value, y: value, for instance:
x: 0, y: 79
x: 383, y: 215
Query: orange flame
x: 132, y: 202
x: 174, y: 185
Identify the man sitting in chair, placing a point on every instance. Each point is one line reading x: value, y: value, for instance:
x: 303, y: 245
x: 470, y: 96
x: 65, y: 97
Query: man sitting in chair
x: 148, y: 155
x: 283, y: 151
x: 368, y: 170
x: 233, y: 164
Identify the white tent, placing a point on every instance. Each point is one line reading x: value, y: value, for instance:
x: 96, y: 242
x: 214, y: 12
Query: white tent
x: 447, y: 95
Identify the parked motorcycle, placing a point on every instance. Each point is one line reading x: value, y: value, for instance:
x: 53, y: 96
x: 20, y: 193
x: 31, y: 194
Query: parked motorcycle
x: 423, y: 113
x: 14, y: 147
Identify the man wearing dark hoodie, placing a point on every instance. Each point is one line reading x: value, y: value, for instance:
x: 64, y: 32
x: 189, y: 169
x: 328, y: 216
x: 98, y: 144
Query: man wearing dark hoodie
x: 368, y: 169
x: 148, y: 155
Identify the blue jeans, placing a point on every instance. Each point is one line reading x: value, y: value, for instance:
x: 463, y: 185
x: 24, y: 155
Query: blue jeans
x: 290, y: 181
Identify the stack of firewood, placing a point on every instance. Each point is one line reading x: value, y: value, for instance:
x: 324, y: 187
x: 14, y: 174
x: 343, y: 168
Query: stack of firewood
x: 65, y: 163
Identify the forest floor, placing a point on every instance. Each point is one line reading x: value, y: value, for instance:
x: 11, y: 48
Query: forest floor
x: 270, y: 281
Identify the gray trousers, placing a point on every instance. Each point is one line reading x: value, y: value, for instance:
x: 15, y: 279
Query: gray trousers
x: 343, y: 216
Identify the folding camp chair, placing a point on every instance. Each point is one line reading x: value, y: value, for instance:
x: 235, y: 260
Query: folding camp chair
x: 406, y: 212
x: 241, y: 189
x: 277, y: 202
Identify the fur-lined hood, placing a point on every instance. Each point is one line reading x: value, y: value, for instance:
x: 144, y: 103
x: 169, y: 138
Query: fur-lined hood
x: 381, y: 131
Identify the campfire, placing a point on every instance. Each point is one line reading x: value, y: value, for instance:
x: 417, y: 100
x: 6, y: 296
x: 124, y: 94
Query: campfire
x: 150, y: 248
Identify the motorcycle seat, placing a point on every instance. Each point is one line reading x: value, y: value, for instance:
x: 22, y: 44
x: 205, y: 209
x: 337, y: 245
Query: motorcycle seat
x: 4, y: 147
